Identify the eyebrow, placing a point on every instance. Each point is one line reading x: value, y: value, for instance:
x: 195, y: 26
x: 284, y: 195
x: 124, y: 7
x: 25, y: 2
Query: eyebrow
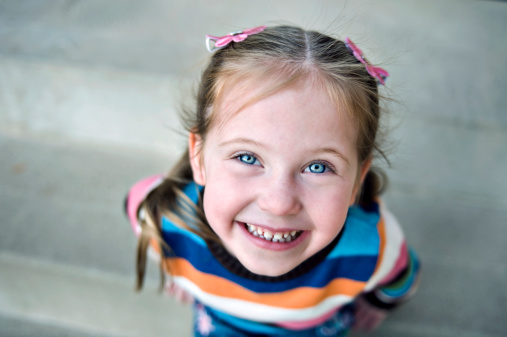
x: 242, y: 140
x: 334, y: 152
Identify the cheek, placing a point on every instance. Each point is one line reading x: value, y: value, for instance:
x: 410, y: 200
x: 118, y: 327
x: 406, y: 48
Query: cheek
x: 221, y: 199
x: 329, y: 209
x: 214, y: 213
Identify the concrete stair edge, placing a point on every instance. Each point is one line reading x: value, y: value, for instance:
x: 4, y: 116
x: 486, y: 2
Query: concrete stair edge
x: 93, y: 104
x: 91, y: 301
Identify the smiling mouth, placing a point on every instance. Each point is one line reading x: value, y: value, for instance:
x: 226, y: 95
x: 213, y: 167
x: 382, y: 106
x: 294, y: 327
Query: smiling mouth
x: 267, y: 235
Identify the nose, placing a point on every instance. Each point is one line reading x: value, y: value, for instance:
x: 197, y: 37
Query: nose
x: 279, y: 196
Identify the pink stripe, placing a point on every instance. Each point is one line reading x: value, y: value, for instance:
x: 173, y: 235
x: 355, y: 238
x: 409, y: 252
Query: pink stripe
x: 301, y: 325
x: 400, y: 264
x: 137, y: 194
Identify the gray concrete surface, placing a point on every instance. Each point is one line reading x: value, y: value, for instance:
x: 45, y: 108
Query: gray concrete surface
x: 88, y: 97
x: 57, y: 297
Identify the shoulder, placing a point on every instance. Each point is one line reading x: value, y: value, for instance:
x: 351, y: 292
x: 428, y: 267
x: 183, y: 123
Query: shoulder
x: 372, y: 239
x: 360, y: 234
x: 136, y: 196
x: 179, y: 224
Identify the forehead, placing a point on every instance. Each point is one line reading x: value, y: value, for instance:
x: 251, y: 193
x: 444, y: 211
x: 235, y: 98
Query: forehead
x: 238, y: 93
x: 295, y: 119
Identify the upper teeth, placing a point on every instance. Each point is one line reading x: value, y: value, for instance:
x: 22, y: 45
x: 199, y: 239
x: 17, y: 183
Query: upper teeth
x: 270, y: 236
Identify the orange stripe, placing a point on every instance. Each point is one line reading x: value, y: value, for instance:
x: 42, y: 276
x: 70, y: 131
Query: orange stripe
x: 299, y: 298
x: 155, y: 245
x: 381, y: 228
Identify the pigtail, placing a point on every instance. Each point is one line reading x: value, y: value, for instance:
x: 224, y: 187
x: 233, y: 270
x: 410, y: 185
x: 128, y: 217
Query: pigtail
x: 150, y: 236
x: 168, y: 200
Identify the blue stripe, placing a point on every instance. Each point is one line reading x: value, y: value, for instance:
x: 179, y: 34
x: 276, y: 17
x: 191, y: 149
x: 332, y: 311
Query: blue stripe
x: 193, y: 190
x: 169, y: 229
x: 360, y: 235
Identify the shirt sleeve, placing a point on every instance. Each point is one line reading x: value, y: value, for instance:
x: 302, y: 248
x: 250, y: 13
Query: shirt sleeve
x: 396, y: 277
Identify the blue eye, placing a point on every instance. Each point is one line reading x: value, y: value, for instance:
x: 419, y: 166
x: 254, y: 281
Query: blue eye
x: 317, y: 168
x: 247, y: 159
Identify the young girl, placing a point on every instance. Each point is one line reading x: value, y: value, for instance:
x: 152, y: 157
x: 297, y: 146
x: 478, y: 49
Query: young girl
x: 271, y: 221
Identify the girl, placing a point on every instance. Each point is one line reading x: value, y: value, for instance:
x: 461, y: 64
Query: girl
x: 271, y: 221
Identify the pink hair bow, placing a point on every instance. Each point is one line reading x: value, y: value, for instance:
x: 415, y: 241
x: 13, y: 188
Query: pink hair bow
x: 222, y: 41
x: 376, y: 72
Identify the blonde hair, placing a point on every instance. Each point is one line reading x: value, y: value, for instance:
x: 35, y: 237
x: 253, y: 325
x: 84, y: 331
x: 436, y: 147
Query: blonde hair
x: 277, y: 57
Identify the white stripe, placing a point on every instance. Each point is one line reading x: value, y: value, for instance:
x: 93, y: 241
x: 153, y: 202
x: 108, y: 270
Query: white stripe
x: 261, y: 312
x: 393, y: 241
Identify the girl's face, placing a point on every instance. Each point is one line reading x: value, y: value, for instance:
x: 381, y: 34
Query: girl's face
x: 279, y: 177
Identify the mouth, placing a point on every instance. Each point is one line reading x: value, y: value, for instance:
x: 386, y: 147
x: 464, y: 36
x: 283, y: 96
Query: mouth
x: 279, y: 237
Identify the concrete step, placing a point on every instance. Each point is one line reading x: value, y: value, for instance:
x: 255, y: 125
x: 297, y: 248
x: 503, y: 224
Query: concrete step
x: 66, y: 249
x: 21, y: 327
x: 62, y: 201
x: 101, y: 105
x: 65, y: 300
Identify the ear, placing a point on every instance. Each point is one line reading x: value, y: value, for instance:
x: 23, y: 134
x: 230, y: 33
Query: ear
x: 195, y: 153
x: 363, y: 170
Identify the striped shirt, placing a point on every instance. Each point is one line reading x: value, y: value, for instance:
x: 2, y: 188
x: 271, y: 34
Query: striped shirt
x: 369, y: 257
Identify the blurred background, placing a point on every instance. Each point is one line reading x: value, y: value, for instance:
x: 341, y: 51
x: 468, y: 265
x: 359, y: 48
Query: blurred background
x: 89, y: 96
